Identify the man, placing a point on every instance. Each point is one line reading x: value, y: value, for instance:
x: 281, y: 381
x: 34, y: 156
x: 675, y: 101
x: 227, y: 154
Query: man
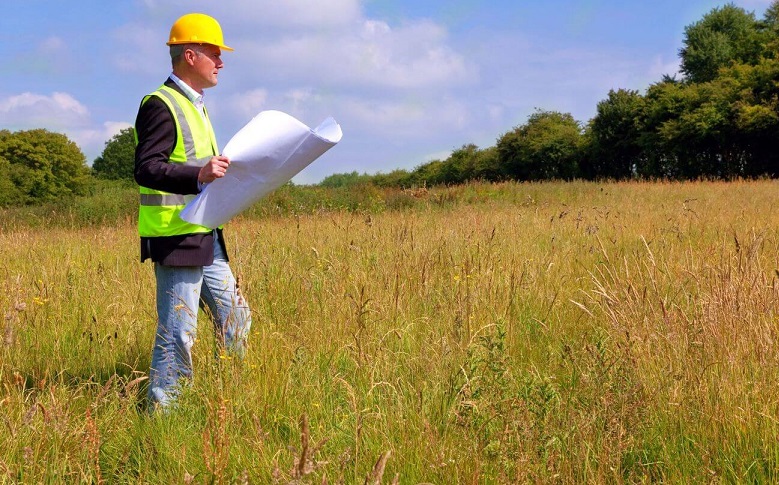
x: 175, y: 157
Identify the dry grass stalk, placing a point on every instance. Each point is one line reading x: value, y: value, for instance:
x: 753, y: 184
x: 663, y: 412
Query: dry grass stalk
x: 130, y: 387
x: 305, y: 464
x: 93, y: 444
x: 216, y: 442
x: 376, y: 475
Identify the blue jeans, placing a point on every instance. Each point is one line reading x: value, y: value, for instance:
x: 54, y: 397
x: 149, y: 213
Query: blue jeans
x: 180, y: 292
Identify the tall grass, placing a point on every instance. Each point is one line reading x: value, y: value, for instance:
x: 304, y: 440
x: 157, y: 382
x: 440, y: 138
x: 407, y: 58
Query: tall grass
x: 511, y: 333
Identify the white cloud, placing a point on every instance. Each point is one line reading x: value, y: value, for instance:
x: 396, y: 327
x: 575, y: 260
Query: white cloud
x: 298, y: 97
x: 383, y: 114
x: 52, y: 44
x: 369, y: 54
x: 411, y: 56
x: 411, y: 117
x: 248, y: 103
x: 30, y: 110
x: 114, y: 127
x: 305, y: 42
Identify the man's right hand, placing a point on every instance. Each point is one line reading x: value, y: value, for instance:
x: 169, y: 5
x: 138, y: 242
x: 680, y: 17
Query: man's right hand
x: 213, y: 169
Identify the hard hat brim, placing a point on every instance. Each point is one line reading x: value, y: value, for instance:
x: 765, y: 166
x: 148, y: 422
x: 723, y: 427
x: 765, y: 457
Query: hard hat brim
x: 223, y: 47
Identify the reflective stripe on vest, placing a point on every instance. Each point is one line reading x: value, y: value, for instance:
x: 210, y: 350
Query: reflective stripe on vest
x: 159, y: 211
x: 186, y: 132
x: 165, y: 199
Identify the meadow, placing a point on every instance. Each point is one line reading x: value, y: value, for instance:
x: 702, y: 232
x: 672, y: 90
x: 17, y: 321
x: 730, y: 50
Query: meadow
x: 509, y: 333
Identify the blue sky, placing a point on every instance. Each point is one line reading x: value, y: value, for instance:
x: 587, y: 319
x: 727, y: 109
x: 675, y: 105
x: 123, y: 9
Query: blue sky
x: 408, y: 81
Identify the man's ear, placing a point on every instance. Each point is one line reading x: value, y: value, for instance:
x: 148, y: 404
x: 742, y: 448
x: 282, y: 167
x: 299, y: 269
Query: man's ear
x: 189, y: 56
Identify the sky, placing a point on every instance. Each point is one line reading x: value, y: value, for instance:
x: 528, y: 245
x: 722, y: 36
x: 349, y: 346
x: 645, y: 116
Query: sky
x: 407, y: 80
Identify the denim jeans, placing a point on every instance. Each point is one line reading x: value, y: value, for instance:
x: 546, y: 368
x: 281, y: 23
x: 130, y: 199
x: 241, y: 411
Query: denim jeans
x: 180, y: 292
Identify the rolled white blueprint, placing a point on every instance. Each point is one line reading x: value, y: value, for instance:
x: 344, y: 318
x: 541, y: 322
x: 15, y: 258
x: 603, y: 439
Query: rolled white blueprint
x: 264, y: 155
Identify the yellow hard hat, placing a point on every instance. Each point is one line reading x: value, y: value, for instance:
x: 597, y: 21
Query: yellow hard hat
x: 197, y: 28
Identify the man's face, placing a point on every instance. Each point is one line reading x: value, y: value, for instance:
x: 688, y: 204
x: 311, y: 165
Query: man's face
x: 206, y: 62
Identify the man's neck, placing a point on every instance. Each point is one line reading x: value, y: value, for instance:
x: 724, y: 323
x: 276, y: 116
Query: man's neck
x: 185, y: 79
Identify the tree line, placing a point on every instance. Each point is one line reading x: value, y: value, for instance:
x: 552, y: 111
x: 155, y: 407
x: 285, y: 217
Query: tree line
x: 720, y: 120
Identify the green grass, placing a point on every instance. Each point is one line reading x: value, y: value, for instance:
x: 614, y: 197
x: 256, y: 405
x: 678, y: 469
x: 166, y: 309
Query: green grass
x: 507, y: 333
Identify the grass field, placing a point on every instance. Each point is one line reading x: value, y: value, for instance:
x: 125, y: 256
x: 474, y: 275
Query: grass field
x: 564, y: 333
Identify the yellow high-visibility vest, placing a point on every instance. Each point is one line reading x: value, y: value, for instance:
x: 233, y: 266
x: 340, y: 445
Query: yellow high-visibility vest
x: 195, y: 145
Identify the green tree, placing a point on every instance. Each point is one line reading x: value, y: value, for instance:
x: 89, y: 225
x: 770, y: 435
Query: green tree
x: 723, y: 36
x: 487, y: 165
x: 469, y: 162
x: 430, y: 173
x: 43, y: 166
x: 770, y: 26
x: 723, y: 128
x: 460, y: 166
x: 117, y: 162
x: 547, y: 147
x: 396, y: 178
x: 771, y: 15
x: 613, y: 136
x: 10, y: 194
x: 664, y: 135
x: 341, y: 180
x: 751, y: 95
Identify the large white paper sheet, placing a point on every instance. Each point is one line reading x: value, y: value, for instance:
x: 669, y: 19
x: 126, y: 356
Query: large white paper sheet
x: 265, y: 154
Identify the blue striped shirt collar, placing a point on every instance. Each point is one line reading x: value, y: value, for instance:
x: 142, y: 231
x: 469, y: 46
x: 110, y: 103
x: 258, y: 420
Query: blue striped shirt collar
x: 195, y: 97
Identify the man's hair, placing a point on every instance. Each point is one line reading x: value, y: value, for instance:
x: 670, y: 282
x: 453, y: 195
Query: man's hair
x: 177, y: 50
